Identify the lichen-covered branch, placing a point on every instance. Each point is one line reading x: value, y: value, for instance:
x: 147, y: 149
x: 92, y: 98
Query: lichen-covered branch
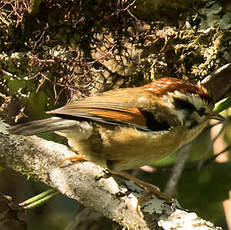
x: 89, y: 184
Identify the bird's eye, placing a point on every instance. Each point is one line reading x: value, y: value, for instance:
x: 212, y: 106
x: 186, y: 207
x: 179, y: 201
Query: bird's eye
x: 182, y: 104
x: 201, y: 111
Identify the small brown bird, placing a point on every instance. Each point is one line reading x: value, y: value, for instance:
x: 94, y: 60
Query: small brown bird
x: 127, y: 128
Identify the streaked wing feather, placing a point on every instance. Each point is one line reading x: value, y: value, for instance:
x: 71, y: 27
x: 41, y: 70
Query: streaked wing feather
x: 129, y: 116
x: 106, y: 109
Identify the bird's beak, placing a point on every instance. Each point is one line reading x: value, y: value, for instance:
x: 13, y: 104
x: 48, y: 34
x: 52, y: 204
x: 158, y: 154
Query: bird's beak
x: 217, y: 116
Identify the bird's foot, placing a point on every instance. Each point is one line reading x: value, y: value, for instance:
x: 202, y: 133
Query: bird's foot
x: 151, y: 190
x: 72, y: 159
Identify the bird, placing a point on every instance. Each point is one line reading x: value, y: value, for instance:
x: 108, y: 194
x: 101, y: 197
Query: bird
x: 127, y: 128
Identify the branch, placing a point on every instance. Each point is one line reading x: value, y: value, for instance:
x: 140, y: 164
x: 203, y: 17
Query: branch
x: 218, y: 83
x: 87, y: 183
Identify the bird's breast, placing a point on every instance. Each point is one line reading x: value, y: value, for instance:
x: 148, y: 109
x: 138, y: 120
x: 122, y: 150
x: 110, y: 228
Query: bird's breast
x: 127, y: 148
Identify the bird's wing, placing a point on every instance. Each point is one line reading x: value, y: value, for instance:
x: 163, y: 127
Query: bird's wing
x: 109, y: 110
x: 115, y: 115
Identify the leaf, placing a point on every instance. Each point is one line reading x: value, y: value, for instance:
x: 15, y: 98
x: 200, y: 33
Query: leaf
x: 36, y: 105
x: 223, y: 105
x: 15, y: 85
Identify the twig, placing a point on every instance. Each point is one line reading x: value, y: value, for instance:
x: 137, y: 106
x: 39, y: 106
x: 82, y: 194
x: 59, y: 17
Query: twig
x: 177, y: 170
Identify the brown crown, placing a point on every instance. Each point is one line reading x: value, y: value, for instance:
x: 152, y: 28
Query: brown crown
x: 164, y: 85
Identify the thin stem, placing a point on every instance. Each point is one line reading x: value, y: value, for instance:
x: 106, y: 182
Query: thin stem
x: 39, y: 199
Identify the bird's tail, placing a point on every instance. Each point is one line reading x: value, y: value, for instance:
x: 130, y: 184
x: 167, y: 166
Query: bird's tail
x: 41, y: 126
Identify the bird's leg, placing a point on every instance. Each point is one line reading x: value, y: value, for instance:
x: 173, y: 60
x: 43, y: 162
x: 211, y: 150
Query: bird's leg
x: 77, y: 158
x: 152, y: 189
